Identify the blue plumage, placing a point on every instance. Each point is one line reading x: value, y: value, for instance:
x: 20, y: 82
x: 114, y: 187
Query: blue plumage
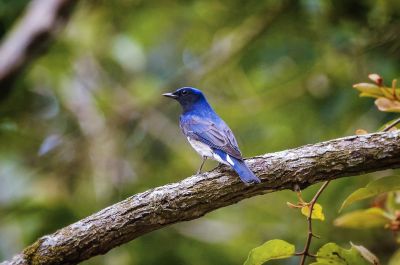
x: 208, y: 133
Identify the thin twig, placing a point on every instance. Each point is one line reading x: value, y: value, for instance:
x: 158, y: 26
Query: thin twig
x: 305, y: 253
x: 393, y: 124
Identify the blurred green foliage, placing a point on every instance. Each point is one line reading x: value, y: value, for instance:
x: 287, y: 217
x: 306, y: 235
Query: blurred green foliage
x: 85, y: 126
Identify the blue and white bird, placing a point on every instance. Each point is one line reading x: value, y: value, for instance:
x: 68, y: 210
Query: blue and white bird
x: 208, y: 133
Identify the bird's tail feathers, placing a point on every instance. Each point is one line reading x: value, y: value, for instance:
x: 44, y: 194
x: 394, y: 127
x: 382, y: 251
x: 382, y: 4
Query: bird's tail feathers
x: 245, y: 174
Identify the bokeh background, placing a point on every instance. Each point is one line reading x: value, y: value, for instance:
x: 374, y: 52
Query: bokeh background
x: 85, y: 125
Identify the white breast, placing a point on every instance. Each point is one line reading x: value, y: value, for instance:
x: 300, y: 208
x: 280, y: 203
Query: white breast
x: 205, y: 150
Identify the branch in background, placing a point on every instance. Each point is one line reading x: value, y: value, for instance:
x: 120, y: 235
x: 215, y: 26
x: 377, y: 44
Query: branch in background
x: 197, y: 195
x: 238, y: 40
x: 41, y: 20
x: 227, y: 47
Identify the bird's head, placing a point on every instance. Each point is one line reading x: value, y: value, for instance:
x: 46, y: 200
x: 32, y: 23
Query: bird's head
x: 187, y: 97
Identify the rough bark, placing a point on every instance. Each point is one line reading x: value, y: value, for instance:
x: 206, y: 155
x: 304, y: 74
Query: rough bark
x: 32, y: 33
x: 199, y: 194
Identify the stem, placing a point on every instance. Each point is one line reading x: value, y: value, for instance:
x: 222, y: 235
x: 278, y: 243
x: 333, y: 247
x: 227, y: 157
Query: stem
x: 393, y: 124
x: 310, y: 235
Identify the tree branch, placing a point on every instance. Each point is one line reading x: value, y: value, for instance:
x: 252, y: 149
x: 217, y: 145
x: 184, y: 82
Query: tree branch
x: 199, y: 194
x: 36, y: 28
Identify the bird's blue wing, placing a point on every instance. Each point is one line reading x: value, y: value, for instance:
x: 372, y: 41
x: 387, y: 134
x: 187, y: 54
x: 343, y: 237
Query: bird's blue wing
x: 217, y: 136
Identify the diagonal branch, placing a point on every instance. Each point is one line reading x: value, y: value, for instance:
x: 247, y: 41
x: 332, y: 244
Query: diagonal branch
x: 197, y: 195
x: 41, y: 20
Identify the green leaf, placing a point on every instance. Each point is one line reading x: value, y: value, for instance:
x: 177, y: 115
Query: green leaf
x: 373, y: 188
x: 331, y: 253
x: 395, y: 259
x: 361, y: 219
x: 316, y: 213
x: 270, y: 250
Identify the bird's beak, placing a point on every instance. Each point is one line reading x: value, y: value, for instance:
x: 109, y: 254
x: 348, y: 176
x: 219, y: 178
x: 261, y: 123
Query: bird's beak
x: 170, y: 95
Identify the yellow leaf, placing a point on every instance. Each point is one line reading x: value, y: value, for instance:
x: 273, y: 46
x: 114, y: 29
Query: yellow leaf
x: 316, y: 213
x: 368, y: 89
x: 375, y: 91
x: 370, y: 95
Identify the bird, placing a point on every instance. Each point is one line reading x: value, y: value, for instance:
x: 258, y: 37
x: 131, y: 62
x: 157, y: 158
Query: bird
x: 208, y: 134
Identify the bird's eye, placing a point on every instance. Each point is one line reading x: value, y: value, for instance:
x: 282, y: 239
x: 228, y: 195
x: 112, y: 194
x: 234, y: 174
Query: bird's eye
x: 184, y: 92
